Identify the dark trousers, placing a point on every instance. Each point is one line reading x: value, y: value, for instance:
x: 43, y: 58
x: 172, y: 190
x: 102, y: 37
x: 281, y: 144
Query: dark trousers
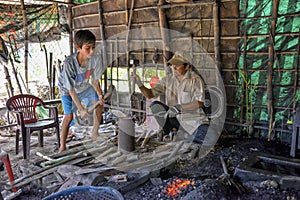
x: 158, y: 109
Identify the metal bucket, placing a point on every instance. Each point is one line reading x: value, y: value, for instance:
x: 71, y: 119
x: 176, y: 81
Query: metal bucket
x: 126, y: 134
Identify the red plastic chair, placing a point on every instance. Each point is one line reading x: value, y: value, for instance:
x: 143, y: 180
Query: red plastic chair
x: 24, y: 106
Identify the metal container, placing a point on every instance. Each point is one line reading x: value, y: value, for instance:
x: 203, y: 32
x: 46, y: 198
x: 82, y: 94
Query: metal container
x: 126, y: 135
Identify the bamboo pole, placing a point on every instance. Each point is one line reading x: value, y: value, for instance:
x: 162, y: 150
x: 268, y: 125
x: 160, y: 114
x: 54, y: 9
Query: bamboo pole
x: 263, y: 86
x: 117, y: 64
x: 70, y: 23
x: 15, y: 73
x: 270, y: 69
x: 10, y: 89
x: 226, y: 53
x: 258, y: 70
x: 164, y: 28
x: 263, y: 107
x: 25, y: 41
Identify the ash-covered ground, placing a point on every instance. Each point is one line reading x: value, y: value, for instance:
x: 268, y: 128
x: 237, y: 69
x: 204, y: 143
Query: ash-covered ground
x: 205, y: 174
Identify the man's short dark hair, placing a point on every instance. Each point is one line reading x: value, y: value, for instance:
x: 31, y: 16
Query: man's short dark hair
x: 84, y: 37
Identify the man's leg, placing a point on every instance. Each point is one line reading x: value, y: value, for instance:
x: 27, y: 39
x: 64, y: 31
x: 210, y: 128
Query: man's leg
x: 205, y: 135
x: 97, y: 121
x: 159, y: 109
x: 92, y: 97
x: 68, y: 117
x: 64, y: 131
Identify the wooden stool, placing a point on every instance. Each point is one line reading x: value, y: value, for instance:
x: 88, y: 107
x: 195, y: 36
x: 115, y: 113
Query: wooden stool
x: 296, y: 133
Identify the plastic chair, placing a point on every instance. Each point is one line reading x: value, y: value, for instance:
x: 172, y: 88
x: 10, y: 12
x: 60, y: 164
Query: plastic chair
x: 24, y: 106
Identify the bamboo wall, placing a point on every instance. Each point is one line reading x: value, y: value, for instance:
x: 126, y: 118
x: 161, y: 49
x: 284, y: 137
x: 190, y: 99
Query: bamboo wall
x: 215, y: 26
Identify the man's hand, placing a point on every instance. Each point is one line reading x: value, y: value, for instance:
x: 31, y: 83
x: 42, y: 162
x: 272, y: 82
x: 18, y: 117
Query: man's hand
x: 83, y: 113
x: 136, y: 79
x: 173, y: 111
x: 101, y: 100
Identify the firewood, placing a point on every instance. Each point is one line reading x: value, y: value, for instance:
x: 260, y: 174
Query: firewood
x: 43, y: 156
x: 119, y: 159
x: 177, y: 148
x: 105, y: 153
x: 141, y: 136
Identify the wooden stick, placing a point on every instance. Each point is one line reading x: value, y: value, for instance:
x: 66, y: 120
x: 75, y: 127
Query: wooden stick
x: 141, y: 136
x: 224, y: 166
x: 43, y: 156
x: 147, y: 138
x: 175, y: 151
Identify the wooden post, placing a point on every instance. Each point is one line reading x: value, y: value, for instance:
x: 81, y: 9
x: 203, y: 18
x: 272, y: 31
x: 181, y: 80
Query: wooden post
x: 25, y: 40
x: 128, y: 24
x: 296, y: 76
x: 270, y: 69
x: 103, y: 38
x: 217, y: 35
x: 243, y: 83
x: 165, y: 35
x: 50, y: 74
x: 70, y: 23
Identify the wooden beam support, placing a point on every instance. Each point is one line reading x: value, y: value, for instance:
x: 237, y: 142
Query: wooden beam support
x: 103, y: 38
x: 164, y: 28
x: 217, y: 35
x: 270, y: 69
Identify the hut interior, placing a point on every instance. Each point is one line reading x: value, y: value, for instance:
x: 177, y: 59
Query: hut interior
x: 247, y: 53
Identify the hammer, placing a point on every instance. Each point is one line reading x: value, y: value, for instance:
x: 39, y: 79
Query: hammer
x: 109, y: 92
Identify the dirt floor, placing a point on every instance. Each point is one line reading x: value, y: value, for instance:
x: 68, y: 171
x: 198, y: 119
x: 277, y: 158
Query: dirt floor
x: 206, y: 173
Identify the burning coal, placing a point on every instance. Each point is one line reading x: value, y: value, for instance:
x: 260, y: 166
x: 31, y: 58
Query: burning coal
x: 178, y: 186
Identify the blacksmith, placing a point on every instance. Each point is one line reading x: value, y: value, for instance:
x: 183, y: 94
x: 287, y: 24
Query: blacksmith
x: 184, y: 96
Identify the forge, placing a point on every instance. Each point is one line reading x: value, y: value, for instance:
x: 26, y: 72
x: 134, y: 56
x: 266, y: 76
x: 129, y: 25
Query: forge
x: 260, y: 167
